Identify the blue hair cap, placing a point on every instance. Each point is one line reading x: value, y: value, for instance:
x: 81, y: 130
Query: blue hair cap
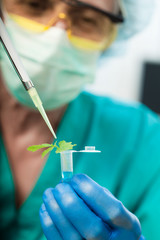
x: 137, y: 14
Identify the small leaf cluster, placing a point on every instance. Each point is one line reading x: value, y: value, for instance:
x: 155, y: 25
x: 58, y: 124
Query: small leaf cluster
x: 62, y: 146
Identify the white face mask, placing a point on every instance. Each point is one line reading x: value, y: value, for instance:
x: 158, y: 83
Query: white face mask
x: 58, y: 70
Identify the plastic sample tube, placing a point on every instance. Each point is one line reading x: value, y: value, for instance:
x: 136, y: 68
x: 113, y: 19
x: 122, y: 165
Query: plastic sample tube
x: 67, y: 162
x: 66, y: 165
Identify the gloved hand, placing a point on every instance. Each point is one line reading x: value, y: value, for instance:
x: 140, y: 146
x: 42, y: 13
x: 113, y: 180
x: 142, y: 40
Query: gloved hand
x: 82, y: 209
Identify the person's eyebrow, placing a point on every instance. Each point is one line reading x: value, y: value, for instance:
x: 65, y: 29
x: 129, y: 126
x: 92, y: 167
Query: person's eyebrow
x: 39, y: 4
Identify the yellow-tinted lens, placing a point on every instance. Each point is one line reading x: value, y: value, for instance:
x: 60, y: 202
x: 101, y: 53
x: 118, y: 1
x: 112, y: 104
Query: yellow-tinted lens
x: 81, y: 35
x: 90, y: 24
x: 91, y: 45
x: 27, y: 23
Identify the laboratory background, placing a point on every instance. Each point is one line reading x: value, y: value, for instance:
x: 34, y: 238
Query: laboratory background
x: 137, y: 75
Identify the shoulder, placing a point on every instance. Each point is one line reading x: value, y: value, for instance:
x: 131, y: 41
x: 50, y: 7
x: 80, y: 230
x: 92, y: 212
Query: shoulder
x: 112, y: 123
x: 109, y: 110
x: 117, y: 122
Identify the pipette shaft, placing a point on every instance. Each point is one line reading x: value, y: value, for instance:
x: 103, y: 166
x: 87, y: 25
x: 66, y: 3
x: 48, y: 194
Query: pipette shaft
x: 23, y: 76
x: 14, y: 58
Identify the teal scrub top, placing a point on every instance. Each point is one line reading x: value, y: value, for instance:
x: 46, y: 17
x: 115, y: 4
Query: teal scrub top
x: 128, y: 165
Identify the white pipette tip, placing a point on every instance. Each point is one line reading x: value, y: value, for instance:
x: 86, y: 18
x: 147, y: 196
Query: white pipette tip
x: 44, y: 115
x: 37, y: 101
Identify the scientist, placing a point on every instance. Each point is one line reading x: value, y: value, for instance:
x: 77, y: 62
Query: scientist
x: 117, y: 197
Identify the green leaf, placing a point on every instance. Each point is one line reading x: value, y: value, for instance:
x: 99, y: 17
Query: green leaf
x: 46, y: 145
x: 64, y: 146
x: 34, y: 148
x: 47, y: 151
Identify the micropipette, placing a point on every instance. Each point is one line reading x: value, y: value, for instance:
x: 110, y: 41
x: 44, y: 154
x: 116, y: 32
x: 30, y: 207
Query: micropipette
x: 23, y: 76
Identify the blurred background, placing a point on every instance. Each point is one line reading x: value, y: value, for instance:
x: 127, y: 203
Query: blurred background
x: 135, y: 74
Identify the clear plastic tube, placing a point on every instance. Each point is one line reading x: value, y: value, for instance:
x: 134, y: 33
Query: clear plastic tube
x: 66, y: 165
x: 67, y: 162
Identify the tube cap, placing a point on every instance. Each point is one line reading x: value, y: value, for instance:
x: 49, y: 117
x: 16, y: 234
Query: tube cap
x: 90, y: 149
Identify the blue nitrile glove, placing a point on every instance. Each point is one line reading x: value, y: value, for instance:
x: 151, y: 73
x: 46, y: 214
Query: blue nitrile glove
x: 82, y: 209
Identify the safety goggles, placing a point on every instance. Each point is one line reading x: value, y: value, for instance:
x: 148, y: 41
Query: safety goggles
x: 87, y: 27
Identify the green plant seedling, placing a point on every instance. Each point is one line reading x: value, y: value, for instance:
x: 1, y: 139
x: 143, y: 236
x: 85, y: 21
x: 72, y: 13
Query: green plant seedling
x: 62, y: 146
